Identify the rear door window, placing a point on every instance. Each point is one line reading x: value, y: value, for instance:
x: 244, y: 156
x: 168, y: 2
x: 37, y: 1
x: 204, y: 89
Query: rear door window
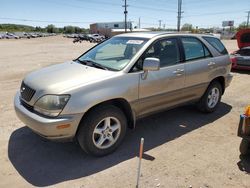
x: 217, y: 44
x: 194, y: 48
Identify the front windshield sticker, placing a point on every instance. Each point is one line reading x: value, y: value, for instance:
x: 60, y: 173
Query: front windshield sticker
x: 135, y: 42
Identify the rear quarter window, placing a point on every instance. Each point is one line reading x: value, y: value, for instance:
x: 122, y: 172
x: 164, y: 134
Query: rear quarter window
x: 217, y: 44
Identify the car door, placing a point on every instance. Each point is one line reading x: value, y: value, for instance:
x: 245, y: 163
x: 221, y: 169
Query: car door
x: 199, y: 64
x: 163, y: 88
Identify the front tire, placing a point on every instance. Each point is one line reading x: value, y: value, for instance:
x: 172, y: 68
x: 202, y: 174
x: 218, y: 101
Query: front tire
x: 102, y: 131
x: 211, y: 98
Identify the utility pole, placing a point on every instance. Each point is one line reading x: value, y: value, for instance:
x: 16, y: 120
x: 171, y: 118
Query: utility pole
x: 125, y: 13
x: 179, y: 15
x: 160, y: 24
x: 139, y: 23
x: 248, y: 15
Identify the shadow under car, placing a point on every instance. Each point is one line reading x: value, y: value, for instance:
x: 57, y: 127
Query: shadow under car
x: 44, y: 163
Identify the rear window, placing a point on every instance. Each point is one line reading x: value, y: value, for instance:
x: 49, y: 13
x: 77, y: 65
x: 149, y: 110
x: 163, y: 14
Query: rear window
x: 245, y: 38
x: 244, y: 52
x: 217, y: 44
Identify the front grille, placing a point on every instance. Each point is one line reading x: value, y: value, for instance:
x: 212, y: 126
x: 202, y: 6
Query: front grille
x: 27, y: 106
x: 26, y: 92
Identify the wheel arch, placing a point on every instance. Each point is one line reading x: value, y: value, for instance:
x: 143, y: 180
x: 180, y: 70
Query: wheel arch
x: 221, y: 80
x: 118, y: 102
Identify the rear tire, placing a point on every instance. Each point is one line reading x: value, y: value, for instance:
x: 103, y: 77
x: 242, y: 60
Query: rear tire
x: 244, y: 147
x: 102, y: 131
x: 211, y: 98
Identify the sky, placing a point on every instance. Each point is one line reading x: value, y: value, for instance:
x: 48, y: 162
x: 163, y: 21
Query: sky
x: 200, y: 13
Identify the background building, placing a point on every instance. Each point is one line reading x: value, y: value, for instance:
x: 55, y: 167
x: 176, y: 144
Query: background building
x: 105, y: 28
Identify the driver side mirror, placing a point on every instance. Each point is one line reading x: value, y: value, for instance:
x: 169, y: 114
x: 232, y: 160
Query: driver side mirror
x: 151, y: 64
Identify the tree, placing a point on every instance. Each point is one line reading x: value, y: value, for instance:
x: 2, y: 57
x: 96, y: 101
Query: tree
x: 51, y: 28
x: 242, y: 25
x: 187, y: 27
x: 77, y: 30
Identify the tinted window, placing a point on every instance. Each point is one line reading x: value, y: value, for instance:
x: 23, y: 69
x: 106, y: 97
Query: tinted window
x: 245, y: 38
x: 243, y: 52
x: 166, y: 50
x: 194, y: 49
x: 216, y: 43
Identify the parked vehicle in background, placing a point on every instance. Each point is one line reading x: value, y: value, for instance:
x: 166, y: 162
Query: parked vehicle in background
x: 10, y: 36
x: 71, y: 35
x: 241, y: 58
x: 96, y: 38
x: 27, y: 35
x: 244, y: 132
x: 100, y: 94
x: 81, y: 37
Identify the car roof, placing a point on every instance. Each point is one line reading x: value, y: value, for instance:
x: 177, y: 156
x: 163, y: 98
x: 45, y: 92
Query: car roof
x: 150, y: 35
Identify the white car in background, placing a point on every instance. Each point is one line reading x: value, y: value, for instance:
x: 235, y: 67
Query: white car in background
x: 10, y: 36
x: 97, y: 37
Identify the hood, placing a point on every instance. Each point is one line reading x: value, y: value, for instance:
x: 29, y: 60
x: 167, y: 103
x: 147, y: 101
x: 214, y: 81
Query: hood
x: 243, y: 38
x: 59, y: 78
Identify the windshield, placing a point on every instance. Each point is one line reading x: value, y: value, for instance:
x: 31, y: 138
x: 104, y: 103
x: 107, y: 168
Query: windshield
x: 115, y: 53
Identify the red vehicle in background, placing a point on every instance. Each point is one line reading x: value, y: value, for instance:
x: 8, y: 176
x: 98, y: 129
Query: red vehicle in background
x: 241, y: 58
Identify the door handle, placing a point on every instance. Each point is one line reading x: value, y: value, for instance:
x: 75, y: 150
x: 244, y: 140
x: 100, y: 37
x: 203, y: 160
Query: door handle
x: 178, y: 72
x: 211, y: 63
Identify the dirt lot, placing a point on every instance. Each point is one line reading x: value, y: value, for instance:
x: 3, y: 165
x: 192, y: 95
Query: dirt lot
x: 183, y: 146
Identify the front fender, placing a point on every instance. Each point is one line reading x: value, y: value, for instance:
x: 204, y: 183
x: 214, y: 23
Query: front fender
x: 83, y: 98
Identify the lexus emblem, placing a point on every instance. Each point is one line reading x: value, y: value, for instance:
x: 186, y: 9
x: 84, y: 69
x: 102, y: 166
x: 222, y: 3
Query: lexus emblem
x: 22, y: 89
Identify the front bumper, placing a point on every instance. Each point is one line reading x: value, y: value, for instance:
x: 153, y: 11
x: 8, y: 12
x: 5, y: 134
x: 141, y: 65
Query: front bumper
x: 47, y: 127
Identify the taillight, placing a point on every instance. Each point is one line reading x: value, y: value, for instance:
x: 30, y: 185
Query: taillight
x: 233, y: 60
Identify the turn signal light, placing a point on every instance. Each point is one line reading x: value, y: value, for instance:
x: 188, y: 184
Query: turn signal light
x: 63, y: 126
x: 247, y: 112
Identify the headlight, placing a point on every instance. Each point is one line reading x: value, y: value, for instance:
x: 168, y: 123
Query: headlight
x: 51, y: 105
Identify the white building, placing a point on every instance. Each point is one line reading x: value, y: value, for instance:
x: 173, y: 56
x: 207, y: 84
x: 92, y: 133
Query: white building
x: 105, y: 28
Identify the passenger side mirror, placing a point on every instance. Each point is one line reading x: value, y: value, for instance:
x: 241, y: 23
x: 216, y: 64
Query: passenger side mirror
x: 151, y: 64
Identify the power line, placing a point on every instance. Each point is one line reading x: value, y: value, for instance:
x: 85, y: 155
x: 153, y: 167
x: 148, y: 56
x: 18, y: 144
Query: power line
x: 43, y: 21
x: 153, y: 9
x: 82, y: 7
x: 215, y: 13
x: 109, y: 11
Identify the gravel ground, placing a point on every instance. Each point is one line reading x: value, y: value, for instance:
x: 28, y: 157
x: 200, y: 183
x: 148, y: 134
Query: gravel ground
x: 183, y: 147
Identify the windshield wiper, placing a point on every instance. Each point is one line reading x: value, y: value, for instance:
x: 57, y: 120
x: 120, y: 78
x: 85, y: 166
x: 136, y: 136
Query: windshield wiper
x: 91, y: 63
